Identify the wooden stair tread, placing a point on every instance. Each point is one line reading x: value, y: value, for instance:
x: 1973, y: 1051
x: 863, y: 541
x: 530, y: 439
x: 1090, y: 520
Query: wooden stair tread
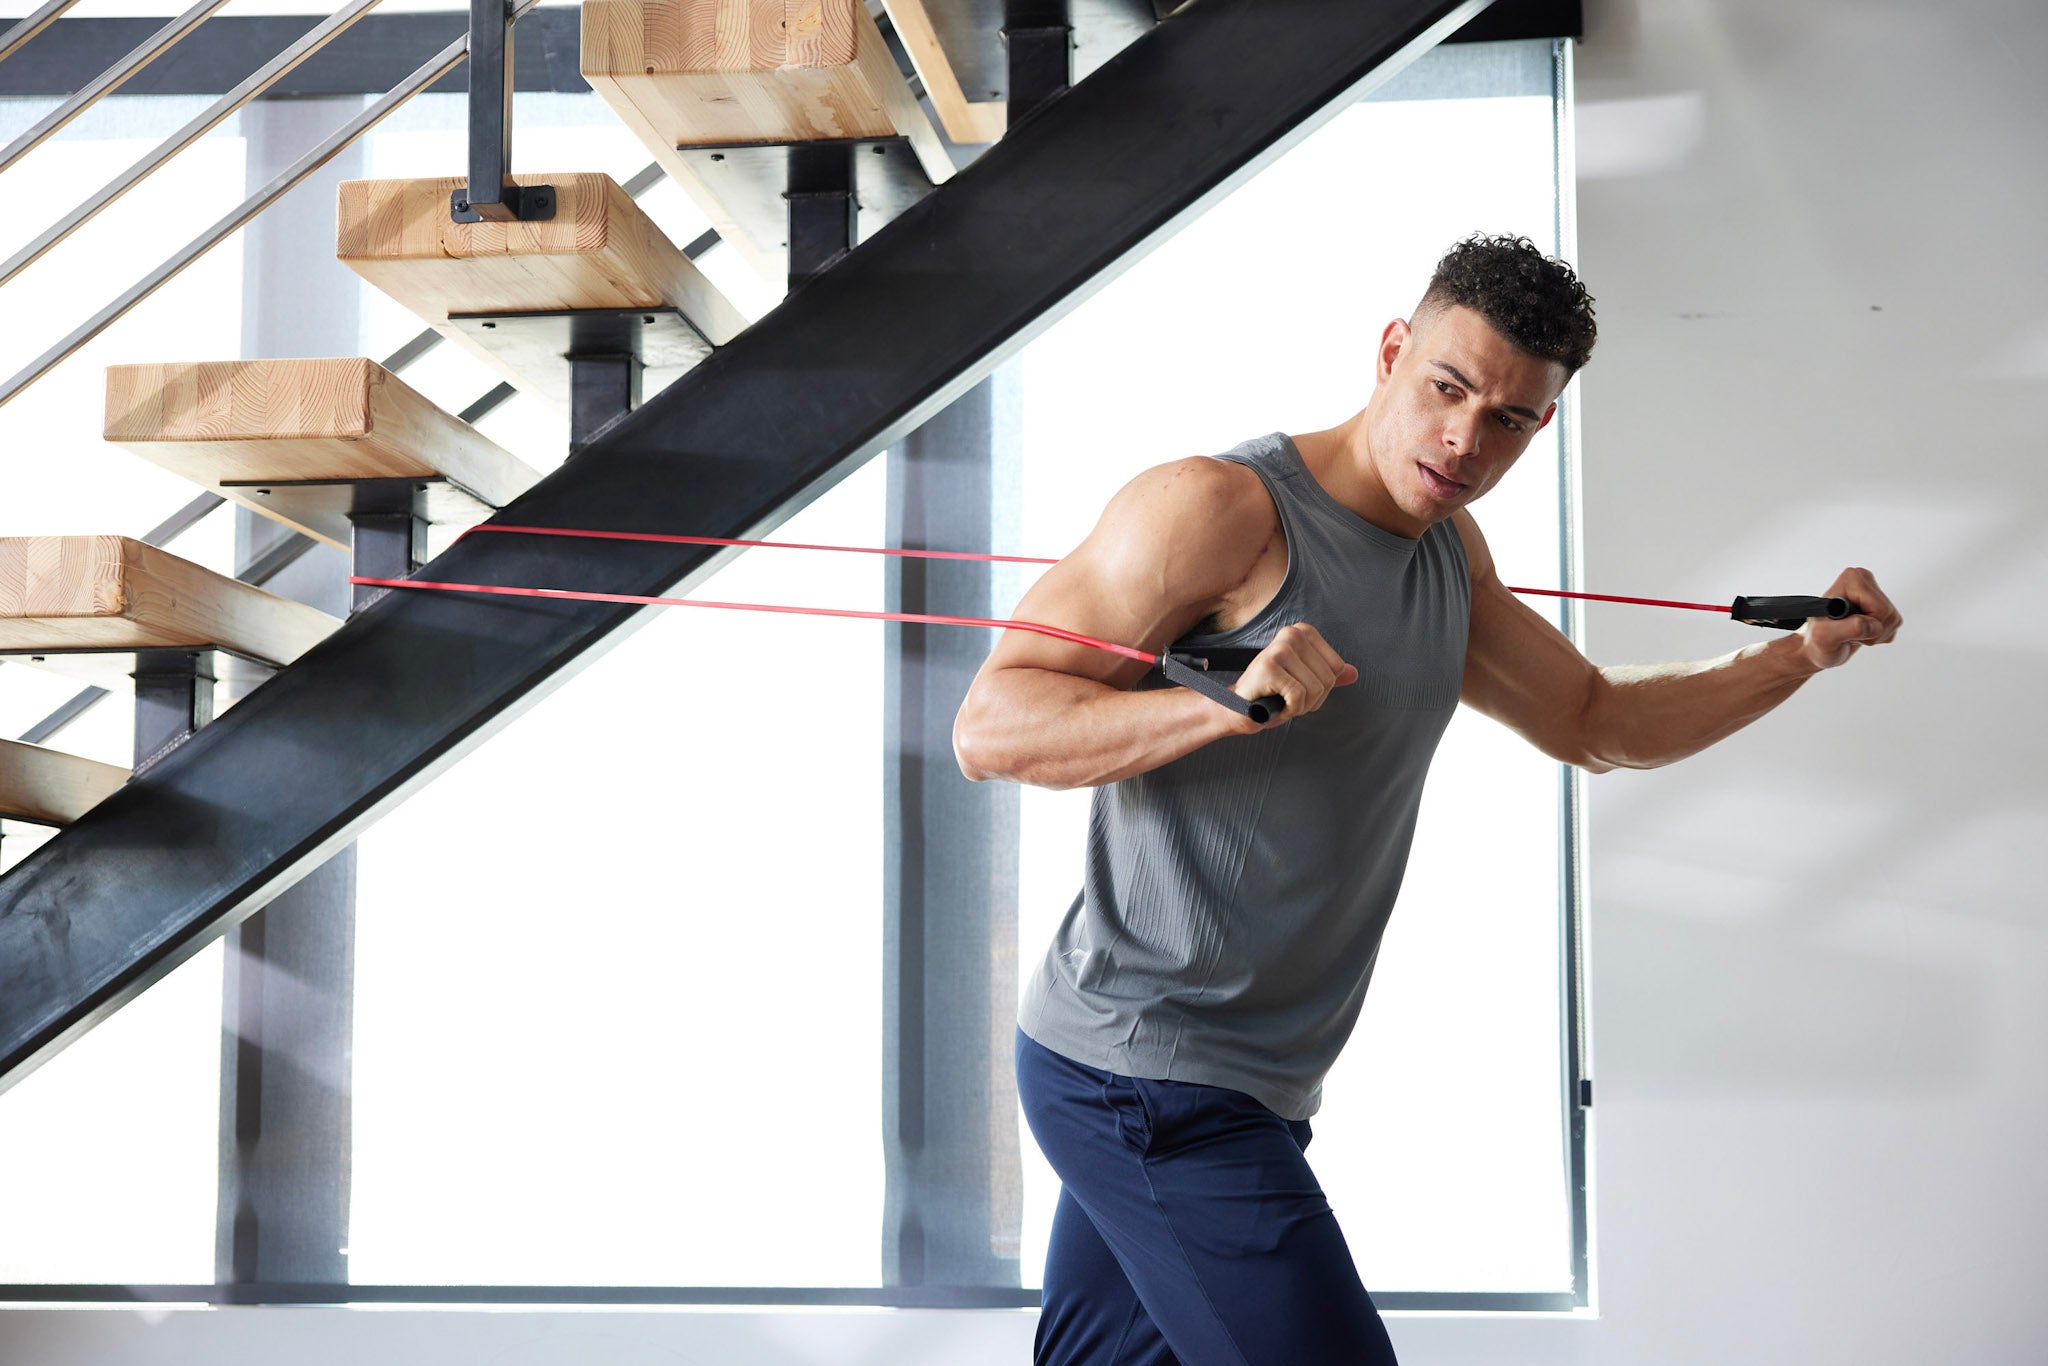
x: 280, y: 422
x: 599, y: 251
x: 49, y: 787
x: 722, y: 72
x: 76, y: 594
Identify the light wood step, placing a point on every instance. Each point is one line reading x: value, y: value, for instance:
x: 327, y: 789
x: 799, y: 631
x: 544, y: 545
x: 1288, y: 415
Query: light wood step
x: 599, y: 252
x: 286, y: 438
x: 85, y: 604
x: 50, y: 788
x: 722, y: 73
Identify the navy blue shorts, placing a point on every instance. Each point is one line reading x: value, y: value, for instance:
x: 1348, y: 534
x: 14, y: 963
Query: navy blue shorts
x: 1190, y: 1229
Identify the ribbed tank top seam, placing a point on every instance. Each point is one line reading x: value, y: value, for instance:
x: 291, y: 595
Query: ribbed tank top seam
x: 1244, y: 850
x: 1284, y: 606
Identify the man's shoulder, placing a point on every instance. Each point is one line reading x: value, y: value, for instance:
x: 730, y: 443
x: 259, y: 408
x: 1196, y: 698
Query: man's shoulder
x: 1200, y: 524
x: 1478, y: 557
x: 1207, y: 495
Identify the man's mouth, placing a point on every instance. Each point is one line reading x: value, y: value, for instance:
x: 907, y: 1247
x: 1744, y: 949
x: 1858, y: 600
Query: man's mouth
x: 1439, y: 483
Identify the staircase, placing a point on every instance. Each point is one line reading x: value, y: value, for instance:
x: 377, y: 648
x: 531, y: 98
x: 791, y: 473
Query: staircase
x: 796, y: 128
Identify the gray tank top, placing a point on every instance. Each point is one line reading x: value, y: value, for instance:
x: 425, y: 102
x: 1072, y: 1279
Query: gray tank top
x: 1234, y: 899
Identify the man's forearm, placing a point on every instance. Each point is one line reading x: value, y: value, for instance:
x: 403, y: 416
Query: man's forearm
x: 1646, y: 716
x: 1055, y: 730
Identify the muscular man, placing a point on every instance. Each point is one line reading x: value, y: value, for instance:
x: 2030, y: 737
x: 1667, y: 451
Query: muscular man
x: 1238, y: 877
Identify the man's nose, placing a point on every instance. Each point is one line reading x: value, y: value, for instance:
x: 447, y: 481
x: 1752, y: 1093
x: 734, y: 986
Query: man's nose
x: 1462, y: 435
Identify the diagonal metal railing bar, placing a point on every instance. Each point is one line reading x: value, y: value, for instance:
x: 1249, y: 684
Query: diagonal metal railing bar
x: 847, y: 366
x: 31, y: 26
x: 425, y: 340
x: 183, y: 520
x: 73, y: 707
x: 108, y: 81
x: 258, y: 81
x: 436, y: 67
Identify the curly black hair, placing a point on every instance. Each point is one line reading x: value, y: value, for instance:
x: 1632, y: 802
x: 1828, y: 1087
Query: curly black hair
x: 1533, y: 300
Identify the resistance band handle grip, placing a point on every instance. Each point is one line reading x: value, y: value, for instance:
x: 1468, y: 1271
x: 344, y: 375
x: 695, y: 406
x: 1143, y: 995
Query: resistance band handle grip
x: 1229, y: 659
x: 1787, y: 614
x: 1185, y: 673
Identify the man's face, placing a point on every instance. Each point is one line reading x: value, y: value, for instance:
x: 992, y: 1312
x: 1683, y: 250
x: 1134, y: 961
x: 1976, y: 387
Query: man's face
x: 1455, y: 406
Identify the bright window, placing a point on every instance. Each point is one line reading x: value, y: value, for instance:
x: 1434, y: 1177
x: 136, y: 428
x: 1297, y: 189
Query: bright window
x: 109, y: 1153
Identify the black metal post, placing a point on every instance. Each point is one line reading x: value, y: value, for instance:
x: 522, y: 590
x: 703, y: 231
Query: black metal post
x: 388, y: 533
x: 823, y: 214
x: 953, y: 1201
x: 287, y: 1022
x: 490, y: 193
x: 602, y: 387
x: 281, y: 1211
x: 1040, y: 39
x: 173, y: 699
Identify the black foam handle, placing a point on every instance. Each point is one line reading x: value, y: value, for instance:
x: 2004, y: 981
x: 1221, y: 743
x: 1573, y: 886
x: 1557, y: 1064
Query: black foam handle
x: 1787, y: 613
x: 1185, y: 673
x: 1229, y: 659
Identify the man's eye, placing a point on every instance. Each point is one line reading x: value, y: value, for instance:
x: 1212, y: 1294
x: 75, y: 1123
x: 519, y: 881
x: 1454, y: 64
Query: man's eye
x: 1441, y: 387
x: 1510, y: 423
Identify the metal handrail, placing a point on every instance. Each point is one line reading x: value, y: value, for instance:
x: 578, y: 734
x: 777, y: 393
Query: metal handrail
x: 436, y: 67
x: 107, y: 81
x: 31, y: 26
x: 270, y: 74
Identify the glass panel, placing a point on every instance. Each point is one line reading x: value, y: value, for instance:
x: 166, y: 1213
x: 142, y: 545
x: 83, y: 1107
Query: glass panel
x: 57, y: 476
x: 636, y: 848
x: 1441, y: 1140
x: 109, y: 1154
x: 618, y: 973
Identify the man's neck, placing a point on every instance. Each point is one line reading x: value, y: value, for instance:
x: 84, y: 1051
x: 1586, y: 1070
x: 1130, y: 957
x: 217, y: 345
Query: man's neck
x: 1340, y: 459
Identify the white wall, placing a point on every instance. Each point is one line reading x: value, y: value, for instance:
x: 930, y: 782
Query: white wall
x: 1815, y: 233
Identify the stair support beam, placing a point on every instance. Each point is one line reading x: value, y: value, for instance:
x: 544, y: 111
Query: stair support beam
x: 860, y: 358
x: 602, y: 388
x: 173, y: 699
x: 387, y: 533
x: 1039, y: 39
x: 824, y: 217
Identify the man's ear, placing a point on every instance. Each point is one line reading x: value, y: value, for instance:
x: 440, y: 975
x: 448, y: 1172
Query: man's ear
x: 1392, y: 342
x: 1548, y: 413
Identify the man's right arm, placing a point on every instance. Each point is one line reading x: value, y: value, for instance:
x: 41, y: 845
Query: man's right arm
x: 1172, y: 549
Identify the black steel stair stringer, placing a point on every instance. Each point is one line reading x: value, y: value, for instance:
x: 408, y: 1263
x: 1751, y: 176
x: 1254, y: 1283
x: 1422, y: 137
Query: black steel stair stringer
x: 846, y: 367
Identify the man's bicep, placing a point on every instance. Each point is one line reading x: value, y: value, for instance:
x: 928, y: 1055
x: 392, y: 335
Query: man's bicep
x: 1162, y: 555
x: 1522, y: 671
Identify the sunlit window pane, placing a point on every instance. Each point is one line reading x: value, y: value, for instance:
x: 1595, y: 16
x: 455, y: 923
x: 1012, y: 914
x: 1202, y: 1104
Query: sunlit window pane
x: 109, y: 1154
x: 618, y: 973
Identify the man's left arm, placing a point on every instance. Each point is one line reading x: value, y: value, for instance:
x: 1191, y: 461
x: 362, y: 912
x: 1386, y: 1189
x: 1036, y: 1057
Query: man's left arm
x: 1525, y: 673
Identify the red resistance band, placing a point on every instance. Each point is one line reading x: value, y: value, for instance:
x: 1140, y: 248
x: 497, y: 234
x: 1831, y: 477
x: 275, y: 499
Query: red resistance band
x: 968, y: 555
x: 1188, y: 671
